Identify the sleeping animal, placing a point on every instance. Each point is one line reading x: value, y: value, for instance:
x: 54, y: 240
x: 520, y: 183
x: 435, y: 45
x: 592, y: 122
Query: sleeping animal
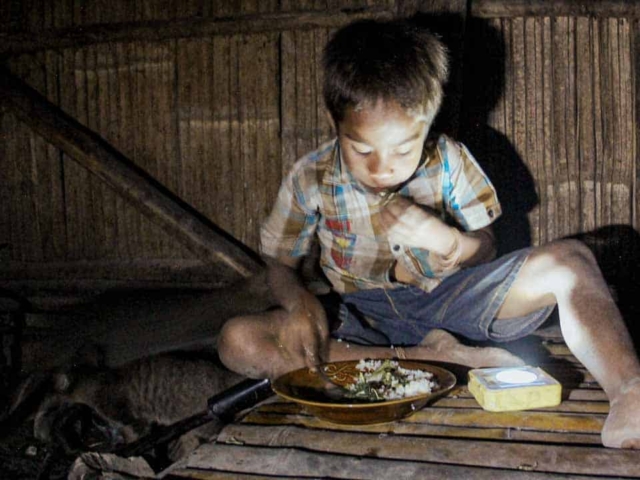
x: 91, y: 408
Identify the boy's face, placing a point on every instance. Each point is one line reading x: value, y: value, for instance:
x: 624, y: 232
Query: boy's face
x: 382, y: 144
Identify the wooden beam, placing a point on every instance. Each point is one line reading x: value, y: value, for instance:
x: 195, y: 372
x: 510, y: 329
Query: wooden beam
x: 178, y: 219
x: 53, y: 285
x: 152, y: 270
x: 74, y: 37
x: 555, y: 8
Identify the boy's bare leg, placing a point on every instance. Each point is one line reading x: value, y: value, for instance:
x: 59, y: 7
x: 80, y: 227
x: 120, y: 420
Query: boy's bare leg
x: 566, y: 272
x: 254, y: 346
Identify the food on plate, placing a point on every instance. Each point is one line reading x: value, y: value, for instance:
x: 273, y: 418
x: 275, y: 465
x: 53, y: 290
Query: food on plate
x: 380, y: 380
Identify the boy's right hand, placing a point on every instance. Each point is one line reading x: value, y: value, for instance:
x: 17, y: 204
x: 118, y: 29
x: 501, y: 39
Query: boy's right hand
x: 307, y: 331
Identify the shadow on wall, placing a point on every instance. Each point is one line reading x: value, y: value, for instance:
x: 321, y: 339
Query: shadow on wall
x: 476, y: 85
x: 484, y: 79
x: 617, y: 250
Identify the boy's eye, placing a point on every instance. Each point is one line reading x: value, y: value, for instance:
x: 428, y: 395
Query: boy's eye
x: 362, y: 150
x: 404, y: 151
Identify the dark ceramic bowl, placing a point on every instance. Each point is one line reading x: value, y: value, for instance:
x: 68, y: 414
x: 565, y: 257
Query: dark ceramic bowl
x: 308, y: 388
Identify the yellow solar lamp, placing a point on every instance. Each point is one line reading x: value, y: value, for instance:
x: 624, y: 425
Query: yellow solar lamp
x: 514, y: 388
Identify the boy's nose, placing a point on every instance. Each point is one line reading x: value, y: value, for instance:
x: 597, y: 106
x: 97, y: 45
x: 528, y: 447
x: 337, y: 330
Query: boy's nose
x: 379, y: 166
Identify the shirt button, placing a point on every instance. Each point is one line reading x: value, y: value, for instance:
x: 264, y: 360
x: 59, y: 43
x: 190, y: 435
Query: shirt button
x: 396, y: 248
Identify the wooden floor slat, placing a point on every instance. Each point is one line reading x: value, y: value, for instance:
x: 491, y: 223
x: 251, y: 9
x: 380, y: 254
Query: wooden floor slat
x: 288, y: 462
x: 593, y: 460
x: 464, y: 400
x: 421, y: 429
x: 198, y: 474
x: 474, y: 417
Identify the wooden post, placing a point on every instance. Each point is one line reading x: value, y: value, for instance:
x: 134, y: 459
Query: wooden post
x: 178, y: 219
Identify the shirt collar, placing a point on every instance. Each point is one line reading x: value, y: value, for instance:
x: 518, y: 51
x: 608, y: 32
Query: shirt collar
x: 337, y: 172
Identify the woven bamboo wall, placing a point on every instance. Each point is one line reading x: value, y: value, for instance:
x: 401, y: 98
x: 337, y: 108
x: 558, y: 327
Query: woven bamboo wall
x: 569, y: 109
x: 219, y: 118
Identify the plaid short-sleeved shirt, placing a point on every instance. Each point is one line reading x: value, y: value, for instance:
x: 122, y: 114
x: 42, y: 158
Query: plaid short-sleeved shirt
x: 320, y: 198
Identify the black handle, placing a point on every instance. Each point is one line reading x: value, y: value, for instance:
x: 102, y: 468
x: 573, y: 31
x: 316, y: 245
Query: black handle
x: 243, y: 395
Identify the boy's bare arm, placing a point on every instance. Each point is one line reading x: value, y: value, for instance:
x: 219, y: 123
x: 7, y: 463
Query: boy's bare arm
x: 414, y: 225
x: 284, y: 281
x: 306, y: 333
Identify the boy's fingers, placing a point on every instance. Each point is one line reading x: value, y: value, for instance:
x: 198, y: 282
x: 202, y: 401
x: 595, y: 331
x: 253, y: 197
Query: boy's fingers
x: 389, y: 219
x: 323, y: 340
x: 392, y: 211
x: 399, y: 204
x: 395, y: 212
x: 323, y: 350
x: 316, y: 349
x: 310, y: 350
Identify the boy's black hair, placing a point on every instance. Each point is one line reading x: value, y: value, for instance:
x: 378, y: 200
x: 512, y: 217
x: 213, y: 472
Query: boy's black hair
x: 370, y: 60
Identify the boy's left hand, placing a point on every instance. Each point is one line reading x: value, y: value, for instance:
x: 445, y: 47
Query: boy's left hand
x: 415, y: 225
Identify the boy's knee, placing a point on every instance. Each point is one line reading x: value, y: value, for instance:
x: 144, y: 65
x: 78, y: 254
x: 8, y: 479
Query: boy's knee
x: 573, y: 255
x: 233, y: 341
x: 568, y: 260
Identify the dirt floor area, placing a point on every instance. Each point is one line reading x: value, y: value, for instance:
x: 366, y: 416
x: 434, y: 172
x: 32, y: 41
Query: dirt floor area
x: 23, y: 457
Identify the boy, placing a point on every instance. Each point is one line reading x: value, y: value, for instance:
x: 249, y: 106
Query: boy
x: 376, y: 199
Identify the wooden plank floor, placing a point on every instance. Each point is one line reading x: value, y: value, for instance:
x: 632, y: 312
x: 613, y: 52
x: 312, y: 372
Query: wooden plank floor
x: 451, y: 438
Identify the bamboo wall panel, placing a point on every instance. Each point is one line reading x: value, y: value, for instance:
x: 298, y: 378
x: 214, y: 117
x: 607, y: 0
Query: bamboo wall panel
x: 124, y: 92
x: 229, y: 129
x: 568, y: 107
x: 183, y: 112
x: 305, y: 125
x: 33, y: 216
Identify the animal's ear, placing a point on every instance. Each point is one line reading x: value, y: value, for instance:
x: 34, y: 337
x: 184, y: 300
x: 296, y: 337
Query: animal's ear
x: 62, y: 382
x: 34, y: 385
x: 24, y: 401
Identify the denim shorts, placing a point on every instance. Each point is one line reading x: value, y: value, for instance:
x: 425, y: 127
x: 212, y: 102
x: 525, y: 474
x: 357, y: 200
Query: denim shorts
x: 465, y: 303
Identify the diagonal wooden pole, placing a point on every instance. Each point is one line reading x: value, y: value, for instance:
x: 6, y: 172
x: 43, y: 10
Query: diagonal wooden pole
x: 193, y: 230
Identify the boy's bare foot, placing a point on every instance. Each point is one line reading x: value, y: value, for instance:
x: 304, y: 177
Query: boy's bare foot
x: 449, y: 349
x: 622, y: 427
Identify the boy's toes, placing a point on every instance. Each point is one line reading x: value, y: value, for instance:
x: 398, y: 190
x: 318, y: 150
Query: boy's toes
x: 478, y: 357
x: 622, y: 427
x: 631, y: 443
x: 497, y: 357
x: 613, y: 440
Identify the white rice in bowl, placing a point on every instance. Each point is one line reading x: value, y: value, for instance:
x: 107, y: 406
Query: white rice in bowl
x: 380, y: 380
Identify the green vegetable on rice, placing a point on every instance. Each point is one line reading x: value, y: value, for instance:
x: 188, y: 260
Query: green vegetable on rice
x: 386, y: 380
